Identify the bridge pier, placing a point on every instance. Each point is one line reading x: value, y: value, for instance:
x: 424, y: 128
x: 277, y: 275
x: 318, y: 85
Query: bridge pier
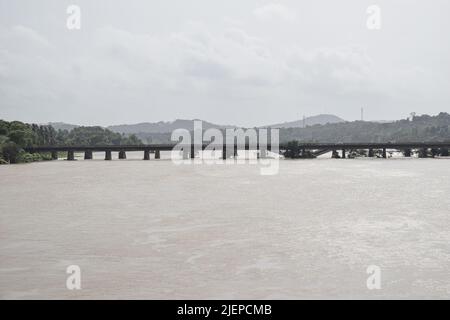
x: 70, y: 155
x: 407, y: 153
x: 306, y: 150
x: 146, y: 154
x: 434, y: 152
x: 87, y: 155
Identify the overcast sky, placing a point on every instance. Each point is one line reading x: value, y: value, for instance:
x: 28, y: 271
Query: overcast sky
x: 244, y: 62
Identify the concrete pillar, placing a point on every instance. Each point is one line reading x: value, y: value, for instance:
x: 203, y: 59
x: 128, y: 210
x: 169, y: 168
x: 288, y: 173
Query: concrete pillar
x: 146, y: 154
x: 407, y: 153
x: 224, y: 153
x: 434, y: 152
x: 122, y: 155
x: 384, y: 153
x: 108, y: 155
x: 235, y: 152
x: 371, y: 154
x: 343, y: 153
x: 54, y: 155
x: 192, y: 153
x: 157, y: 154
x: 87, y: 155
x: 70, y: 155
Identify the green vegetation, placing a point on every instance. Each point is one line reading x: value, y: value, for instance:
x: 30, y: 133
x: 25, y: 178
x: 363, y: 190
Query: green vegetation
x: 423, y: 128
x: 16, y: 135
x: 420, y: 128
x: 95, y: 136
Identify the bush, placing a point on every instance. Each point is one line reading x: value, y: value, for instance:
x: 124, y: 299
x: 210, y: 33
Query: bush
x: 25, y: 157
x: 28, y: 157
x: 45, y: 156
x: 10, y: 152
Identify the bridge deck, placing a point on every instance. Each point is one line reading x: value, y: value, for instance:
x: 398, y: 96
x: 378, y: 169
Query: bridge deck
x: 283, y: 146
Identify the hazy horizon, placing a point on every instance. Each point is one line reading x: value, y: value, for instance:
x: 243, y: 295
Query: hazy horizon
x: 216, y: 123
x: 183, y: 119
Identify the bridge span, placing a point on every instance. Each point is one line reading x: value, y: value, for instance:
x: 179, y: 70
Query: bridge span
x: 230, y: 150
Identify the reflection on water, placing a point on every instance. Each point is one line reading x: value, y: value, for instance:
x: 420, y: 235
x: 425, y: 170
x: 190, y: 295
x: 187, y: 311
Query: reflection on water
x: 151, y: 229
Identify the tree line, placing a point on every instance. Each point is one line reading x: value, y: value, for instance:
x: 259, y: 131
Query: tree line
x: 16, y: 135
x: 417, y: 129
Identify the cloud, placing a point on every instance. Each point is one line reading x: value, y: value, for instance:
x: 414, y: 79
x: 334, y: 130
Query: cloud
x: 122, y: 65
x: 275, y: 11
x: 339, y: 70
x: 191, y: 70
x: 19, y: 38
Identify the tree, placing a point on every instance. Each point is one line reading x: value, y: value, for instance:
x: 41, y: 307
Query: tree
x: 10, y: 151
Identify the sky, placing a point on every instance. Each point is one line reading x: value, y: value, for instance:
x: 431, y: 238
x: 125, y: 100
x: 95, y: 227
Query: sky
x: 240, y: 62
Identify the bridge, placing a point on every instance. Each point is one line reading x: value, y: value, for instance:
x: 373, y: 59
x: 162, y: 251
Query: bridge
x: 230, y: 150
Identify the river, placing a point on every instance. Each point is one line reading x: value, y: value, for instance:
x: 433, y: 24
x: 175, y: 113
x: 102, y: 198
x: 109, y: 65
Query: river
x: 156, y: 230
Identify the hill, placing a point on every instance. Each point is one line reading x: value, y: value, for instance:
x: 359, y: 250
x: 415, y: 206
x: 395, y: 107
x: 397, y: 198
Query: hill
x: 62, y: 126
x: 321, y: 119
x: 419, y: 128
x: 163, y: 127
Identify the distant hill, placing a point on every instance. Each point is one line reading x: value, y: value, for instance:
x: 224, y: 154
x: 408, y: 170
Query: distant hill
x: 62, y: 126
x: 419, y: 128
x: 163, y: 127
x: 334, y: 129
x: 309, y: 121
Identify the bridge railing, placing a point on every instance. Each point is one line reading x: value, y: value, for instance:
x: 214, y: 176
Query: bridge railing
x: 282, y: 146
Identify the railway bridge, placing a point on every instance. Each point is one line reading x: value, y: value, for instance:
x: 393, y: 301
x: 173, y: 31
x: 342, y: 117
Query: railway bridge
x: 339, y: 150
